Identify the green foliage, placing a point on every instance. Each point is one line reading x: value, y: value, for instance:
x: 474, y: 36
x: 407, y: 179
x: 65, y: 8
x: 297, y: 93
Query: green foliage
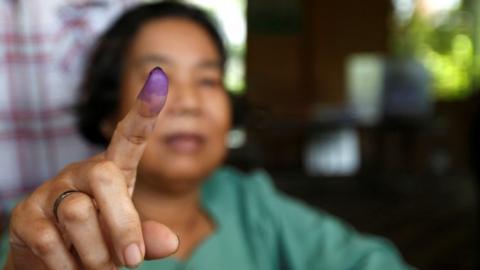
x: 445, y: 46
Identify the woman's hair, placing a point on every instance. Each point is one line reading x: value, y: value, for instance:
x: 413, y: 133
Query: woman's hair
x: 100, y: 89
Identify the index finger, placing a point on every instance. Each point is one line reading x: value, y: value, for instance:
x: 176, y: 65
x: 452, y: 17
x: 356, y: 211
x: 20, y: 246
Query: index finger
x: 130, y: 136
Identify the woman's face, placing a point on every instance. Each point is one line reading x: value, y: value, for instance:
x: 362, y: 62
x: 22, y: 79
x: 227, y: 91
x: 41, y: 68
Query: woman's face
x: 189, y: 137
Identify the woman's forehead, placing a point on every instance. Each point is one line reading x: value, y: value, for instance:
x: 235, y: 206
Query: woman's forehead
x: 159, y: 59
x: 174, y: 41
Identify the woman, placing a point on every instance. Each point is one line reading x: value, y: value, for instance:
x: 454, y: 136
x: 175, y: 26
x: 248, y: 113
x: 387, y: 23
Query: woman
x: 160, y: 175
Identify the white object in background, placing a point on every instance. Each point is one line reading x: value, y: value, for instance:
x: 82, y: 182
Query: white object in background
x: 333, y: 153
x: 364, y: 75
x: 237, y: 137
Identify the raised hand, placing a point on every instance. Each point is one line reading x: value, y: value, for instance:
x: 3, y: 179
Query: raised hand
x: 84, y: 218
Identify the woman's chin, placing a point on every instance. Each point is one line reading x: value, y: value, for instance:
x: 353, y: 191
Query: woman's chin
x: 190, y: 167
x: 178, y: 176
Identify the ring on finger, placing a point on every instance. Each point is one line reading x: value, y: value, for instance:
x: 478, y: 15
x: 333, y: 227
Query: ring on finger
x: 59, y: 200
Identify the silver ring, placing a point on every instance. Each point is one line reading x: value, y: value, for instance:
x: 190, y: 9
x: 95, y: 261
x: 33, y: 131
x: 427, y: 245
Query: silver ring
x: 59, y: 200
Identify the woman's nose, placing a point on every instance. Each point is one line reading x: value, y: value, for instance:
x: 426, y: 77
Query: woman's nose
x: 184, y: 99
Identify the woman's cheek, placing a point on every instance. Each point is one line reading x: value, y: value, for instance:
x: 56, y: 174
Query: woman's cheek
x: 220, y: 110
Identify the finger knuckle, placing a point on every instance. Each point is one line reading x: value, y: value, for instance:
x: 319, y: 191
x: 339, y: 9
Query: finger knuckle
x: 101, y: 168
x: 45, y: 242
x: 103, y: 172
x: 135, y: 137
x: 97, y: 260
x: 129, y: 222
x: 129, y: 225
x: 22, y: 213
x: 78, y: 208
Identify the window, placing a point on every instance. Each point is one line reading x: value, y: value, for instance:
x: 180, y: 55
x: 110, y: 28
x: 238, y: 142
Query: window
x: 231, y: 15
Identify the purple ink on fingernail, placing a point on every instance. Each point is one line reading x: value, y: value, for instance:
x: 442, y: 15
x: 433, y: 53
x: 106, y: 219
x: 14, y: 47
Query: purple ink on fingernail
x: 154, y: 92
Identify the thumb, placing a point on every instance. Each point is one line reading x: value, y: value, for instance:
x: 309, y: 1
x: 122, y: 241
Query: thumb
x: 160, y: 241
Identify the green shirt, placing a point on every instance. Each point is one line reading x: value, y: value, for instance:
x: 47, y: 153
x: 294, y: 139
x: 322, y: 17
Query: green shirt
x: 261, y: 228
x: 258, y: 227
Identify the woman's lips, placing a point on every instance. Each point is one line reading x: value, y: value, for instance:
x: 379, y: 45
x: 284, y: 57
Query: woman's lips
x: 184, y: 142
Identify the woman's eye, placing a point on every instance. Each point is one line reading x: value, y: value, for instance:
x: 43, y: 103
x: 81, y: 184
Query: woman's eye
x: 210, y: 83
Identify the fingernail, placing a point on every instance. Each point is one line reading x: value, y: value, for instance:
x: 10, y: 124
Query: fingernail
x: 176, y: 242
x: 132, y: 256
x: 154, y: 92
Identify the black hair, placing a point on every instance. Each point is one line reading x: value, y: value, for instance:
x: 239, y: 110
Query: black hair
x: 100, y: 89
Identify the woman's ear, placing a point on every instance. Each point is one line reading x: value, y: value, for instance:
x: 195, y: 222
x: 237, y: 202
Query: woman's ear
x: 107, y: 127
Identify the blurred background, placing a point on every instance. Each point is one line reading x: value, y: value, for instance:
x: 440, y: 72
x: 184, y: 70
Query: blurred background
x: 368, y: 110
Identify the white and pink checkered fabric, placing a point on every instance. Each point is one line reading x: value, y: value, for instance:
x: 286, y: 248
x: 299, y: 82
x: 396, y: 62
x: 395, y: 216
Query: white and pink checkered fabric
x: 43, y: 47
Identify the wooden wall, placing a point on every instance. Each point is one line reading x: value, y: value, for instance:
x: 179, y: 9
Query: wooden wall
x: 296, y: 52
x: 297, y: 49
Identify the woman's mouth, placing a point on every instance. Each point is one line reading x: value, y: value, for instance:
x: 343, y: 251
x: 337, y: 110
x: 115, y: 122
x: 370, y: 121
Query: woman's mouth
x: 185, y: 142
